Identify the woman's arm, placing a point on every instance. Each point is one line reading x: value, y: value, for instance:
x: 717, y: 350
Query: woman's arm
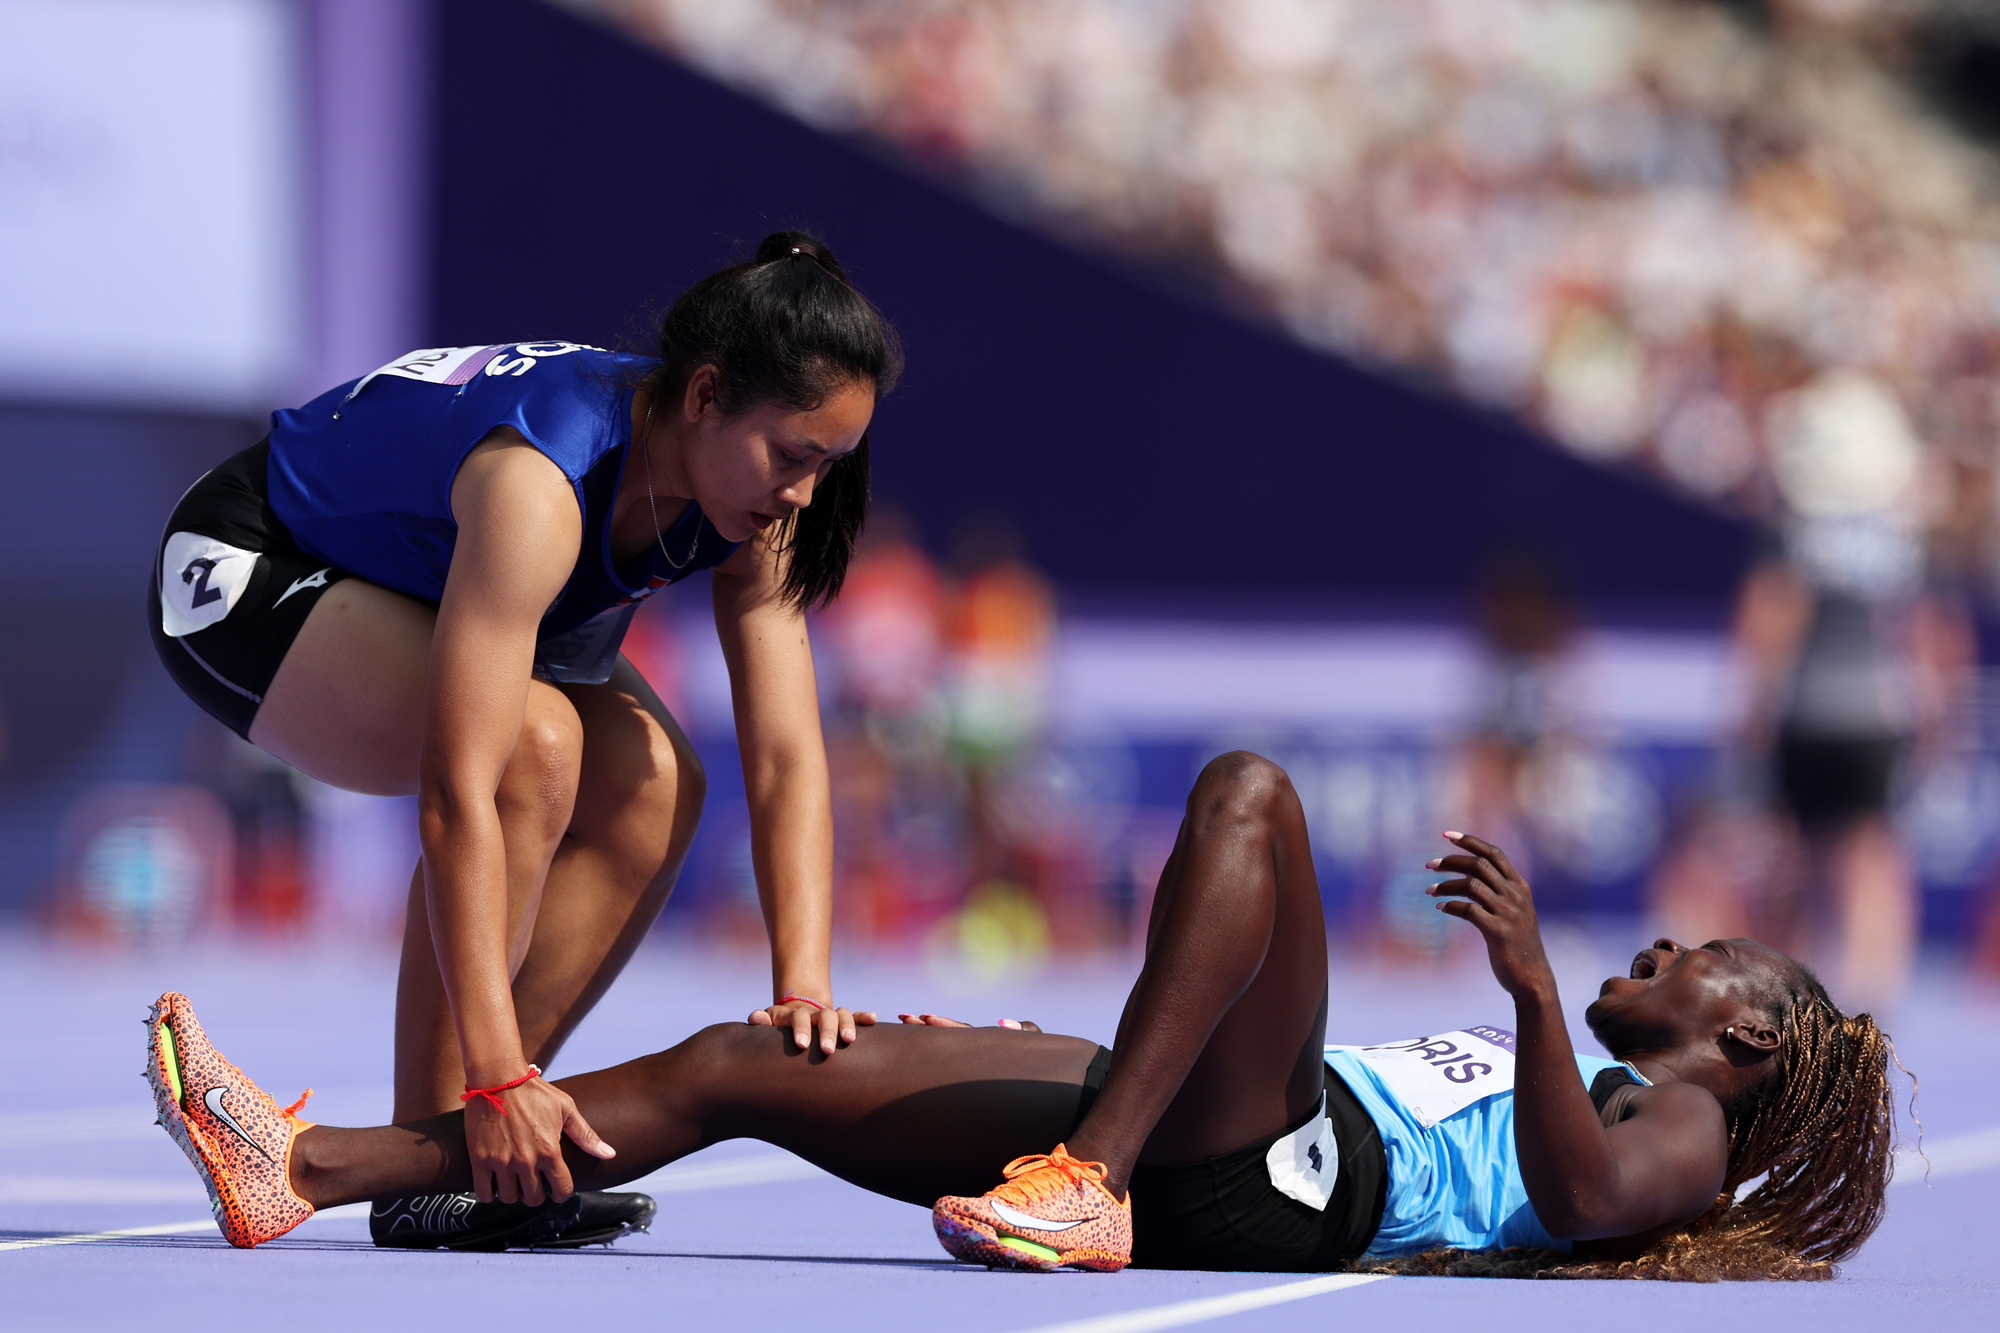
x: 785, y: 775
x: 1663, y: 1164
x: 519, y: 530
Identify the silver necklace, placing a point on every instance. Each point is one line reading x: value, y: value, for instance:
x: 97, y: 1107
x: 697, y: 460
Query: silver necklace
x: 646, y: 443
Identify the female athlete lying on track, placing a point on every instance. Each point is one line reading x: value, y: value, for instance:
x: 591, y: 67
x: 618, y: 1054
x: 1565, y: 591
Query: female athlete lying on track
x: 1219, y: 1133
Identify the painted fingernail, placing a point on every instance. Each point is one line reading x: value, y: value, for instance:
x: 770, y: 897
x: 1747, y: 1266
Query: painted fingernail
x: 1432, y: 864
x: 1453, y: 834
x: 1009, y: 1023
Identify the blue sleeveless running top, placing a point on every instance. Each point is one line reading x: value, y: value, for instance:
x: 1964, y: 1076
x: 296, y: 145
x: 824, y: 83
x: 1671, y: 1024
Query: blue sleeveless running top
x: 362, y: 477
x: 1444, y: 1107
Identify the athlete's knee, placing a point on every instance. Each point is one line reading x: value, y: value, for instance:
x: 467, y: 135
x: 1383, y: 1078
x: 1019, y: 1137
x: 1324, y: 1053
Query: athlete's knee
x: 1243, y: 787
x: 541, y: 776
x: 657, y: 787
x: 716, y: 1050
x: 692, y: 777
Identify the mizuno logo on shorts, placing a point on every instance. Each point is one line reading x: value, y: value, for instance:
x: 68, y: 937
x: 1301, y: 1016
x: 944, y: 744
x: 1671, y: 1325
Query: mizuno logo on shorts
x: 309, y: 581
x: 1029, y: 1221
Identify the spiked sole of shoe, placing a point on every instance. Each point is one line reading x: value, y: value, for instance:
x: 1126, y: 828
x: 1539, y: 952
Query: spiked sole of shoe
x: 977, y: 1244
x: 163, y: 1074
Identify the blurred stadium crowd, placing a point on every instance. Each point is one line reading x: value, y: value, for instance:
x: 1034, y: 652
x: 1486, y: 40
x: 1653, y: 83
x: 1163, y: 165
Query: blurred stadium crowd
x: 1747, y: 247
x: 1728, y: 242
x: 1742, y: 246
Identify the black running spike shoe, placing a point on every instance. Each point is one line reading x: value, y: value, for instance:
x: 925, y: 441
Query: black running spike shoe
x: 604, y: 1218
x: 461, y: 1222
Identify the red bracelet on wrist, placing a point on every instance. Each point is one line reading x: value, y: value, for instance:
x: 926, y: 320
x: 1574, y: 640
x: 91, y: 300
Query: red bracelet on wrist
x: 802, y: 999
x: 492, y: 1094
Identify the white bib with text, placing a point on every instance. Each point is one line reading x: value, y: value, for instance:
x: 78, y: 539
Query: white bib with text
x: 1437, y: 1077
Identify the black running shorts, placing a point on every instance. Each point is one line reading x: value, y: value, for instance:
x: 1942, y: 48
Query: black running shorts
x: 1225, y: 1214
x: 231, y: 590
x: 1826, y: 781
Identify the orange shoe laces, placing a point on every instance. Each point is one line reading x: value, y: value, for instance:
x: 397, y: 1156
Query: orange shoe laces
x: 292, y: 1111
x: 1042, y: 1176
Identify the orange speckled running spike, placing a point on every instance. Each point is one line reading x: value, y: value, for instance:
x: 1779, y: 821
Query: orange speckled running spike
x: 1051, y: 1212
x: 238, y: 1138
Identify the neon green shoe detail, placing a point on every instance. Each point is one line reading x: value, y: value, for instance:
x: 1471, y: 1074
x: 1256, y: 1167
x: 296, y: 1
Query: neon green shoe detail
x: 1031, y: 1249
x: 173, y: 1060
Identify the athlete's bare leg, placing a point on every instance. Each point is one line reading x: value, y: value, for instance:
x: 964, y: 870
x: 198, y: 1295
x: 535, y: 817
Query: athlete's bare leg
x: 910, y: 1112
x: 1220, y: 1043
x: 598, y: 806
x: 1229, y: 1013
x: 637, y: 805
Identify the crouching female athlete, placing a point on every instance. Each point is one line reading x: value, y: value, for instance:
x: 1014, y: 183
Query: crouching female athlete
x: 418, y: 584
x: 1219, y: 1133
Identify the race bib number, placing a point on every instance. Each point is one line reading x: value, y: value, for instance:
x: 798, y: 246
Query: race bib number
x: 1305, y: 1163
x: 201, y: 580
x: 1437, y: 1077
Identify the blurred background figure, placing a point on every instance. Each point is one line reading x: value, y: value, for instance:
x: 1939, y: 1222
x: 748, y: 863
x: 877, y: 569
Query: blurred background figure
x: 1853, y: 672
x: 1570, y: 418
x: 895, y: 821
x: 999, y: 628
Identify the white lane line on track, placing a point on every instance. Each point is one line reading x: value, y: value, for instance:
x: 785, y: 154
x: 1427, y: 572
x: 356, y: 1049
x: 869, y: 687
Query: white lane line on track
x: 1182, y: 1313
x: 763, y: 1168
x: 162, y: 1229
x: 41, y: 1189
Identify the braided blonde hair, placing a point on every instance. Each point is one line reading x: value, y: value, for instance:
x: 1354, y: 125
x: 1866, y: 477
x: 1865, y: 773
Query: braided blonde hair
x: 1820, y: 1130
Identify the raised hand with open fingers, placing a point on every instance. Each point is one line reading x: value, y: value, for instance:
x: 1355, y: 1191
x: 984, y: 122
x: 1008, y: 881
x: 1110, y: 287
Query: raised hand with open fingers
x: 1494, y: 897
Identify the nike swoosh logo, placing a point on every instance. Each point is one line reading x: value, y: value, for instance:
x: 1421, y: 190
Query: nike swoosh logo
x: 212, y: 1099
x: 309, y: 581
x: 1030, y: 1221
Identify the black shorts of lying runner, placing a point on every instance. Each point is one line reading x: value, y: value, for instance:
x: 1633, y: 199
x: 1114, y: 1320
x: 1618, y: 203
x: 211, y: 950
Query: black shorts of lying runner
x: 230, y: 590
x: 1227, y: 1214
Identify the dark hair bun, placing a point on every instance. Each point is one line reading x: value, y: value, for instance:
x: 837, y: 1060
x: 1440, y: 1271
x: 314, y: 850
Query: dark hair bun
x: 797, y: 245
x: 787, y: 327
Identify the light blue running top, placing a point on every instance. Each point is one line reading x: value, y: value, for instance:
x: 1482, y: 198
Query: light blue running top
x: 362, y: 477
x: 1444, y: 1107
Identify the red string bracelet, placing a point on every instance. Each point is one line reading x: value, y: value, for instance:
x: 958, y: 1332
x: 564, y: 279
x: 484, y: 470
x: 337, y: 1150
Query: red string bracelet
x: 492, y: 1094
x: 802, y: 999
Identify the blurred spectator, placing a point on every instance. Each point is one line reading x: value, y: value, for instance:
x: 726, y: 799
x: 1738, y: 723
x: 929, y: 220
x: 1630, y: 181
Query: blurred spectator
x: 145, y: 863
x: 1527, y: 624
x: 272, y: 887
x: 894, y: 799
x: 1852, y: 669
x: 998, y: 628
x: 1639, y: 223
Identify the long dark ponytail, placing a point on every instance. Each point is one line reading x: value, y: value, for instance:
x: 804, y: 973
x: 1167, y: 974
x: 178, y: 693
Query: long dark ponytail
x: 787, y: 327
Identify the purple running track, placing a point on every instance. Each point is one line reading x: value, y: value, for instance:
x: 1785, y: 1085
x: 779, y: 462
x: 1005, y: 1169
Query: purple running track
x: 748, y: 1237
